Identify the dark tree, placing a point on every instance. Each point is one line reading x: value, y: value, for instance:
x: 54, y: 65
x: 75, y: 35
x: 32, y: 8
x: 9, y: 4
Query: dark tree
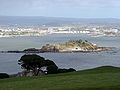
x: 66, y: 70
x: 3, y: 75
x: 49, y: 62
x: 71, y: 70
x: 34, y: 62
x: 62, y: 70
x: 52, y: 69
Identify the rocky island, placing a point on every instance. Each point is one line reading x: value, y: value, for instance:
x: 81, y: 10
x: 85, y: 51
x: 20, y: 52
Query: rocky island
x: 70, y: 46
x: 73, y: 46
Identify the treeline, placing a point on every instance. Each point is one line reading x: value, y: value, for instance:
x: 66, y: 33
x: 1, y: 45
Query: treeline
x: 35, y: 65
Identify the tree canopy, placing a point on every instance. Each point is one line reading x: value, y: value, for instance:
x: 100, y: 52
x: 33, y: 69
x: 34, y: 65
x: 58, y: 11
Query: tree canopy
x: 34, y: 62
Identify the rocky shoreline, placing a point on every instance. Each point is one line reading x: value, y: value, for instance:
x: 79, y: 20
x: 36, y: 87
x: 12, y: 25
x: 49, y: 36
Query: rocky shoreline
x: 64, y: 51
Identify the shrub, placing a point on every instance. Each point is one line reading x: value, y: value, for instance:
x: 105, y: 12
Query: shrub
x: 66, y: 70
x: 62, y: 70
x: 52, y: 69
x: 3, y: 75
x: 71, y: 70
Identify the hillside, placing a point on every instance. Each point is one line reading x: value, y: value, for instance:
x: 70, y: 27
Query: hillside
x: 102, y: 77
x: 53, y: 21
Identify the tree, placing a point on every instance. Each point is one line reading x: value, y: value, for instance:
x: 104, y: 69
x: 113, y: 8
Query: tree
x: 52, y: 69
x: 34, y: 62
x: 49, y: 62
x: 4, y: 75
x: 71, y: 70
x: 66, y: 70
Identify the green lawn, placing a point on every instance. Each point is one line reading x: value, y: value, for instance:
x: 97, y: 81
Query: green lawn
x: 102, y: 78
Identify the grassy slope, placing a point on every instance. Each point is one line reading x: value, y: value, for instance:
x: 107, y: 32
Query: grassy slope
x: 103, y: 77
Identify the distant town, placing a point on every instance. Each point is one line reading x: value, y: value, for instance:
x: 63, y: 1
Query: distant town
x: 95, y: 30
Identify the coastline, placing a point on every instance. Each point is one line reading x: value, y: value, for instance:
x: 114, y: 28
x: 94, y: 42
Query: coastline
x: 10, y: 36
x: 62, y: 51
x: 70, y: 46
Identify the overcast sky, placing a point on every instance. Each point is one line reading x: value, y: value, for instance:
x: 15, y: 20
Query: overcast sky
x: 61, y: 8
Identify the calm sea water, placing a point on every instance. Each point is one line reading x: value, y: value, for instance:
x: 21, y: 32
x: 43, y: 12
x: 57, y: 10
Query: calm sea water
x: 79, y: 61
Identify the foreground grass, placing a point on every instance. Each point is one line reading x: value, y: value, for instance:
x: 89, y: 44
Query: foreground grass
x: 106, y: 77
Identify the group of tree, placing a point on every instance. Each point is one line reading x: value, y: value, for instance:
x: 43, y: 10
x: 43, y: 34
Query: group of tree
x: 35, y: 63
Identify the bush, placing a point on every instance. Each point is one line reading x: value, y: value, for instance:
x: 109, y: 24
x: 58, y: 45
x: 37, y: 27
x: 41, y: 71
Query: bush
x: 52, y: 69
x: 62, y: 70
x: 66, y: 70
x: 71, y: 70
x: 3, y: 75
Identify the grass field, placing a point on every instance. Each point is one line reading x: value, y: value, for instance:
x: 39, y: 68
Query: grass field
x: 101, y: 78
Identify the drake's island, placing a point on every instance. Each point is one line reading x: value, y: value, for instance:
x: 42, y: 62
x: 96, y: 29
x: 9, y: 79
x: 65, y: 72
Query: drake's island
x: 67, y: 47
x: 73, y: 46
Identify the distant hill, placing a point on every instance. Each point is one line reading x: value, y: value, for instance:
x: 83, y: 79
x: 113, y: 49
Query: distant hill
x: 40, y: 20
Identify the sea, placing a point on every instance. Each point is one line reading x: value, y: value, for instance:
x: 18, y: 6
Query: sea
x: 78, y: 61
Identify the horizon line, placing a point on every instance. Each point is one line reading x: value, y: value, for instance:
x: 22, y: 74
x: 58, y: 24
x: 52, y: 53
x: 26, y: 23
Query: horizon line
x: 64, y: 17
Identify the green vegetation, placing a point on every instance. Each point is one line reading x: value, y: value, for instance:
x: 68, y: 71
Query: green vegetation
x: 77, y: 43
x: 4, y: 75
x: 66, y: 70
x: 35, y: 63
x: 102, y: 78
x: 52, y: 69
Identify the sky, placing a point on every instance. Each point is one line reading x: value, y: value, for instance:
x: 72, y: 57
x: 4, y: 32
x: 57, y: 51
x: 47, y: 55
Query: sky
x: 61, y: 8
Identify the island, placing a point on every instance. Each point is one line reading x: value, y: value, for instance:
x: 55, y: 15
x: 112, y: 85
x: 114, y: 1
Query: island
x: 73, y: 46
x: 67, y: 47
